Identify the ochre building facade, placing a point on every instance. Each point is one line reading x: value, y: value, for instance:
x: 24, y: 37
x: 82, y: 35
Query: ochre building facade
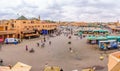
x: 24, y: 28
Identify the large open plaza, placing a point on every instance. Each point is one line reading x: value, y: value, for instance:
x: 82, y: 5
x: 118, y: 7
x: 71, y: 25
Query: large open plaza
x: 56, y: 54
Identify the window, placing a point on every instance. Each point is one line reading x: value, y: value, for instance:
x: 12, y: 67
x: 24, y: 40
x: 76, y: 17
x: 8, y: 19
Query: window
x: 24, y: 22
x: 25, y: 27
x: 6, y: 27
x: 12, y: 25
x: 32, y: 21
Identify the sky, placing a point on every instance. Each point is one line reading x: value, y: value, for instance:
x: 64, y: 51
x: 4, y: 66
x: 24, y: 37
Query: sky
x: 62, y: 10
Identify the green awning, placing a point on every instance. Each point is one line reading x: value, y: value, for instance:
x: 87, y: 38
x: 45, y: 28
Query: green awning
x: 111, y: 37
x: 101, y: 31
x: 118, y: 37
x: 95, y: 31
x: 101, y: 38
x: 80, y: 33
x: 91, y: 38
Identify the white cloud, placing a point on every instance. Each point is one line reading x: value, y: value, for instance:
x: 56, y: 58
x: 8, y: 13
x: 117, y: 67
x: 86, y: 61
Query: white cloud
x: 67, y: 10
x: 9, y: 3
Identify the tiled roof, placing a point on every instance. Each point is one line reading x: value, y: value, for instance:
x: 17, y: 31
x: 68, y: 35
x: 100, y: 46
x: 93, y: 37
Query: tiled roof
x: 22, y: 18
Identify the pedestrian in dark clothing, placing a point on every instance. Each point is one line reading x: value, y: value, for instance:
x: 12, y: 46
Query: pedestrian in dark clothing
x: 10, y: 66
x: 70, y: 49
x: 49, y: 42
x: 38, y: 44
x: 43, y: 44
x: 44, y: 40
x: 1, y: 61
x: 61, y: 69
x: 69, y: 37
x: 26, y: 48
x: 69, y: 42
x: 32, y: 50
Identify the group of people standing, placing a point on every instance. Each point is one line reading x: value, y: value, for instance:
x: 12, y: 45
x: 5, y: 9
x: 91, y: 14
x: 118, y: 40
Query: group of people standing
x: 42, y: 44
x: 31, y: 50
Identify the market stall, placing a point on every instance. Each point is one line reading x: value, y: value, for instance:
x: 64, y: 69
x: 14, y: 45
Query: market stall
x: 100, y: 31
x: 108, y: 44
x: 111, y: 37
x: 52, y: 68
x: 21, y: 67
x: 91, y: 40
x: 5, y: 68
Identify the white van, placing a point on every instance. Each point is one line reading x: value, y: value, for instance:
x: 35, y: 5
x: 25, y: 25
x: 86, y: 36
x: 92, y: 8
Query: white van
x: 11, y: 40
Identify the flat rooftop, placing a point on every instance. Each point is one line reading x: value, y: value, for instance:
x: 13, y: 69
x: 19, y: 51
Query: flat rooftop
x: 116, y: 54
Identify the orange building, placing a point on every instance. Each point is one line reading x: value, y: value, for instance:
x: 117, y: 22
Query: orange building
x: 63, y: 23
x: 22, y: 27
x: 115, y: 27
x: 6, y: 31
x: 80, y: 24
x: 114, y: 61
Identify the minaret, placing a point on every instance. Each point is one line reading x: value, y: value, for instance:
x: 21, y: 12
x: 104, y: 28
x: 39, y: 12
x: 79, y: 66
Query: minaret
x: 39, y: 17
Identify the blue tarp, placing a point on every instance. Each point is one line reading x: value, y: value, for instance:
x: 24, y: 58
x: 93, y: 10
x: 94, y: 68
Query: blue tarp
x: 44, y: 32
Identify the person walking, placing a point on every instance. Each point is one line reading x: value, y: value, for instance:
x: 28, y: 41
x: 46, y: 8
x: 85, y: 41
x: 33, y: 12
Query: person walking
x: 10, y: 66
x: 69, y: 37
x: 1, y: 62
x: 32, y: 50
x: 49, y: 42
x: 38, y: 44
x: 70, y: 49
x: 26, y: 48
x: 43, y: 45
x: 44, y: 39
x: 61, y: 69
